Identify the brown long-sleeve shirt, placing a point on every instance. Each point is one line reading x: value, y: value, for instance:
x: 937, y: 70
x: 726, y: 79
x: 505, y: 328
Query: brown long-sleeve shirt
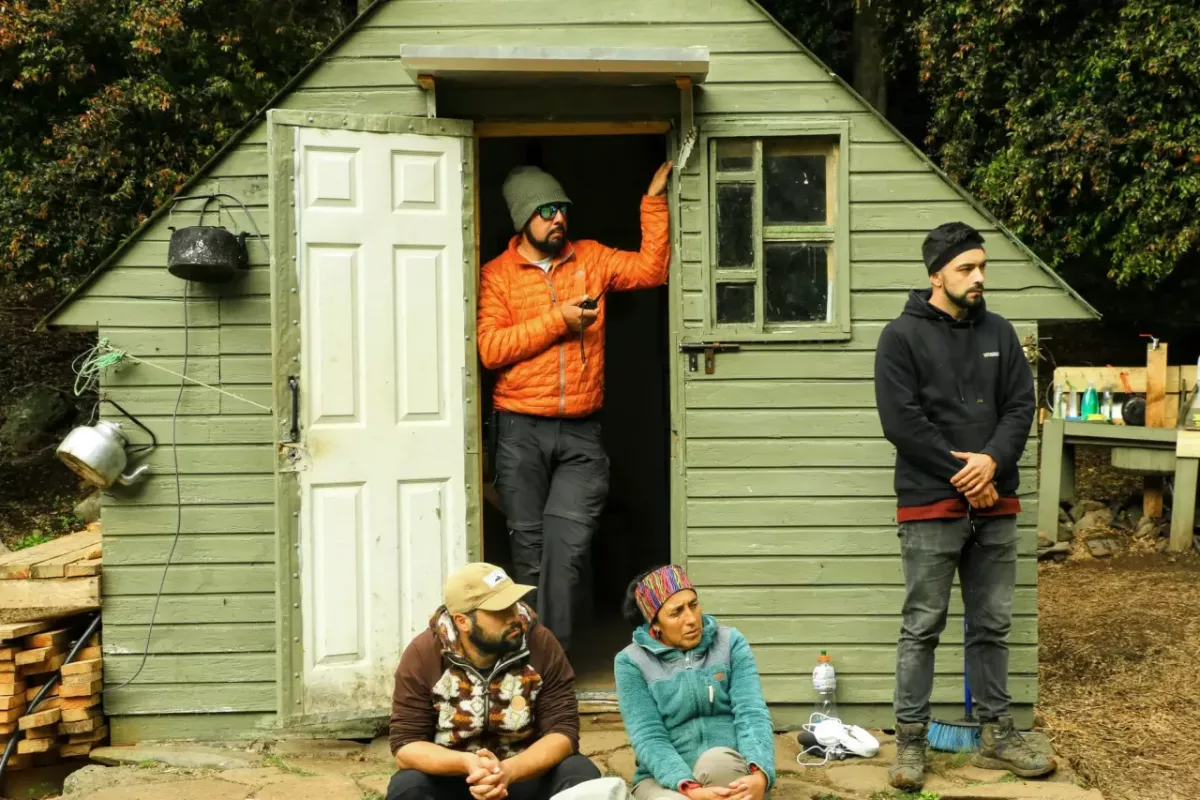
x: 441, y: 697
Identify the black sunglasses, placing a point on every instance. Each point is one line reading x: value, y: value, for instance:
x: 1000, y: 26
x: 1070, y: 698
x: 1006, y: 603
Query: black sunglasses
x: 550, y: 209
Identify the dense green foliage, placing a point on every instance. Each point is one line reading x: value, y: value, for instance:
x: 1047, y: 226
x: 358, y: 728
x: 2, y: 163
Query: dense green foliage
x: 1078, y: 123
x: 107, y: 106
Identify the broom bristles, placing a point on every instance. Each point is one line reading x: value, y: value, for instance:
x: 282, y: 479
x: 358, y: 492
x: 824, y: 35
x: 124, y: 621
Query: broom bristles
x: 954, y: 737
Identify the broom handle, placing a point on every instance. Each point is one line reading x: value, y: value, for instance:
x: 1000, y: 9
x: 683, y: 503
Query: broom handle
x: 966, y: 684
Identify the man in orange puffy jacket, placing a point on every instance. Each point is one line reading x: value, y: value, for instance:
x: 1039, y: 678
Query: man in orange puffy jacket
x: 541, y: 327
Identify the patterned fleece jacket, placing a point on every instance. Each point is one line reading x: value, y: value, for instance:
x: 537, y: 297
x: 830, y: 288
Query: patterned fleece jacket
x: 442, y: 697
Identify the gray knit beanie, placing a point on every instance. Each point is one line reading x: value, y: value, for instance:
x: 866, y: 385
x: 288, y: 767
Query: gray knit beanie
x: 525, y: 189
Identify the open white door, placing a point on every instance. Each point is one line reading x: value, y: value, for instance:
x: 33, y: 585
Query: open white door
x: 379, y: 220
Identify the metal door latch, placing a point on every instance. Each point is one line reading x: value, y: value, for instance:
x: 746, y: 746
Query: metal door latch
x: 709, y: 349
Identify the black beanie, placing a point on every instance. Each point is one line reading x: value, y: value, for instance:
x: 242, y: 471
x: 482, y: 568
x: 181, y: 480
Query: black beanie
x: 948, y: 241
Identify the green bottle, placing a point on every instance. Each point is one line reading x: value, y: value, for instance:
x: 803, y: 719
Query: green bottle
x: 1090, y: 404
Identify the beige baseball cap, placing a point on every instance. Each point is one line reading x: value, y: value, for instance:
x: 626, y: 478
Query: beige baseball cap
x: 481, y: 586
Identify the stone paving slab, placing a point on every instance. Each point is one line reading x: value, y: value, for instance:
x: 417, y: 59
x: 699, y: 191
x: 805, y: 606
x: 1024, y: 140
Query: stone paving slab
x: 307, y: 769
x: 182, y: 756
x: 322, y: 787
x: 317, y: 748
x: 201, y: 789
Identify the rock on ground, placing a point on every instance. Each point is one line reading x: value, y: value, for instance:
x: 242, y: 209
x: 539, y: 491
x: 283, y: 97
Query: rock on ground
x: 592, y: 743
x: 184, y: 757
x: 31, y: 418
x: 95, y: 777
x: 1085, y: 506
x: 322, y: 787
x: 317, y: 748
x: 201, y: 789
x: 1094, y: 519
x: 88, y: 509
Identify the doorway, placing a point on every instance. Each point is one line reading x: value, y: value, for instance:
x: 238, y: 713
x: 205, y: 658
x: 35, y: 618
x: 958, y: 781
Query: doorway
x: 605, y: 177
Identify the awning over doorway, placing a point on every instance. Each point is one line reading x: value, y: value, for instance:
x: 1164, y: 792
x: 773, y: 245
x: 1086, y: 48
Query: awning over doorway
x: 624, y: 66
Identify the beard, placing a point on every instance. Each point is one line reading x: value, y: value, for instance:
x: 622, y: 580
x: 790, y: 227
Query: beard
x: 965, y: 300
x: 549, y: 246
x: 495, y: 646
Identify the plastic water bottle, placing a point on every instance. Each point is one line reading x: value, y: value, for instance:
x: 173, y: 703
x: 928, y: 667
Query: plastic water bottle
x: 825, y: 687
x: 1090, y: 405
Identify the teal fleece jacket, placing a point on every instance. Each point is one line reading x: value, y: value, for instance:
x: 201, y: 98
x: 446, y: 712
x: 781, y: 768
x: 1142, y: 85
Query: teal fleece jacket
x: 677, y: 704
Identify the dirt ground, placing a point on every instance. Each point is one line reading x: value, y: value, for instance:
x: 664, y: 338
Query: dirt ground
x: 1120, y: 672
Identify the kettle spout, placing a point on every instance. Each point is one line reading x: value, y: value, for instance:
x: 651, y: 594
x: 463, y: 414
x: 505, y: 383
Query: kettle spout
x: 136, y: 476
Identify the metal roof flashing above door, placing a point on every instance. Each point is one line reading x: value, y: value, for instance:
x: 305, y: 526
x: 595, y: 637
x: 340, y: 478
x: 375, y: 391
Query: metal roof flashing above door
x: 499, y: 65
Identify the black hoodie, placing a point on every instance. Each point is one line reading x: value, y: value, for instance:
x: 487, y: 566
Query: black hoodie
x: 943, y: 384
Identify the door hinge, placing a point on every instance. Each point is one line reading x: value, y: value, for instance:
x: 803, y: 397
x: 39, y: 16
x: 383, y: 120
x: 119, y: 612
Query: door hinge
x: 709, y: 349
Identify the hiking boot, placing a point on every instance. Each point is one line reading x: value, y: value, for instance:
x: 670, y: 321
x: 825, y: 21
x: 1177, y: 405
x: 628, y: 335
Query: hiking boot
x: 1001, y: 747
x: 907, y: 772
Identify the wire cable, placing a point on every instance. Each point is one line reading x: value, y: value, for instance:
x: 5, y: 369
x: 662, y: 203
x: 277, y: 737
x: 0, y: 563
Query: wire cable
x: 178, y: 497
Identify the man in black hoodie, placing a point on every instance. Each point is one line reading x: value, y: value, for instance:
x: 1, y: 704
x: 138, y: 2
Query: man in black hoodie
x: 955, y: 396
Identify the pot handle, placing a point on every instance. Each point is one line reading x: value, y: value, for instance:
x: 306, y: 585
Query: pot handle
x: 133, y: 477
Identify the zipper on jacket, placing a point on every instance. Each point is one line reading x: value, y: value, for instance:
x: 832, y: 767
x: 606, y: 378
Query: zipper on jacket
x: 466, y: 664
x: 562, y: 356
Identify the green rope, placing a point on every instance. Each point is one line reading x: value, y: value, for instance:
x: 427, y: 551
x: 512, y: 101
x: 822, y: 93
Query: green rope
x: 89, y: 366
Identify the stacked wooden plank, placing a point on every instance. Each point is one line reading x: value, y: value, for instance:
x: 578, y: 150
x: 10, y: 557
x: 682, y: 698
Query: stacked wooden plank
x: 69, y: 720
x: 55, y: 579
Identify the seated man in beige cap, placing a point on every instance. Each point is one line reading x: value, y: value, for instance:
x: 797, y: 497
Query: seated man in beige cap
x: 484, y: 706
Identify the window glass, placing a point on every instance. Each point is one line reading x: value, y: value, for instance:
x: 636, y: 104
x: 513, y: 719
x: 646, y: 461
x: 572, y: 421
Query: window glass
x: 735, y: 225
x: 793, y: 187
x: 735, y: 155
x: 735, y: 303
x: 796, y: 281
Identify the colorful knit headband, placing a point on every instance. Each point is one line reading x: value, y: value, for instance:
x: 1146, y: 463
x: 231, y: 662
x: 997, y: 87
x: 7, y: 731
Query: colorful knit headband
x: 657, y: 587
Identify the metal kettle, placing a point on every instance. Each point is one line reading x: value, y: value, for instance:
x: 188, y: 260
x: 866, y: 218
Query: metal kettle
x: 97, y: 454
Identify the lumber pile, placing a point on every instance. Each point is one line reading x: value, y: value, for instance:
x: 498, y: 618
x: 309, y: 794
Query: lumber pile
x: 69, y: 720
x: 55, y: 579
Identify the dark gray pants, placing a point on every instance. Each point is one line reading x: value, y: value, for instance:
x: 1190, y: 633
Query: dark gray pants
x: 552, y: 478
x: 984, y: 551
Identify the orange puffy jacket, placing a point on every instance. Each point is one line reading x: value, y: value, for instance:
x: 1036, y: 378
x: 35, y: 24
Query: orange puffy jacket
x: 522, y: 332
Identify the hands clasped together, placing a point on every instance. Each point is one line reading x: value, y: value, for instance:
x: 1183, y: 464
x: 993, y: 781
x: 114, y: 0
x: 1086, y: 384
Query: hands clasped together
x: 975, y: 479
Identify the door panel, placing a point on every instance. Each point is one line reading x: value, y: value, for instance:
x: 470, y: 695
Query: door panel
x: 383, y: 498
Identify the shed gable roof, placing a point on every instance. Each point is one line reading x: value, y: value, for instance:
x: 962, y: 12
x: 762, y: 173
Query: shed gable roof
x: 355, y: 28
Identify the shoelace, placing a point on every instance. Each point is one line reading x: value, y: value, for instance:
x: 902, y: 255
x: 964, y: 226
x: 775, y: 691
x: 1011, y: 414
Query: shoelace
x: 911, y: 752
x: 1013, y: 737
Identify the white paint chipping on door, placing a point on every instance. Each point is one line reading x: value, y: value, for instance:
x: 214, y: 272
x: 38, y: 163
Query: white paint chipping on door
x: 383, y: 500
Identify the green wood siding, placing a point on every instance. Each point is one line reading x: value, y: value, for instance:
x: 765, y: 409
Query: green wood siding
x: 784, y: 509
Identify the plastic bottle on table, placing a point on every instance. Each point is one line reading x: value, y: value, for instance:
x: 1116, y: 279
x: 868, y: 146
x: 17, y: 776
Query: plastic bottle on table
x: 1090, y: 405
x: 825, y: 687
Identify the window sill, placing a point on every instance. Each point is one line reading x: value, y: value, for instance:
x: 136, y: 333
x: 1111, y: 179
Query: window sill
x: 821, y: 332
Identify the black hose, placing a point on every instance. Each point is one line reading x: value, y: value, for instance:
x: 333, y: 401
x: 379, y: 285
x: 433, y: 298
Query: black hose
x: 54, y: 677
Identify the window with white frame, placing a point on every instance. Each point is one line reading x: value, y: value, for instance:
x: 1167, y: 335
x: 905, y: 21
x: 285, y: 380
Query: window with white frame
x: 778, y: 234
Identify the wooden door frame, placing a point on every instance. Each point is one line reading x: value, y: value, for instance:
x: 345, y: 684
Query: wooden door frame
x: 282, y: 127
x: 606, y: 701
x: 666, y: 129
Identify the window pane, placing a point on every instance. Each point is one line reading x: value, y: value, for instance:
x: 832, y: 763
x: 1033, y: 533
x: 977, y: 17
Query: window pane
x: 735, y: 155
x: 797, y: 283
x: 735, y: 302
x: 735, y: 225
x: 794, y: 190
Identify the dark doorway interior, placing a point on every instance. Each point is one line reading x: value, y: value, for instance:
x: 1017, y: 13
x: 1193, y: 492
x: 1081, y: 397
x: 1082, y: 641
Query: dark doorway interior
x: 605, y: 177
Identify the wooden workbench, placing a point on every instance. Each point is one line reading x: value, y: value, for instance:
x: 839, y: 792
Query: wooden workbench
x: 1059, y: 438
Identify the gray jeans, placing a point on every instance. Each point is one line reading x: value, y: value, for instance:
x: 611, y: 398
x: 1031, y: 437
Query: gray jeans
x: 984, y: 551
x: 719, y: 766
x: 552, y: 478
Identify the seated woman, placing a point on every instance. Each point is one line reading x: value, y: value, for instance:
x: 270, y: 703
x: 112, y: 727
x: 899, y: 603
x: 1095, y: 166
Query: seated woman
x: 691, y: 698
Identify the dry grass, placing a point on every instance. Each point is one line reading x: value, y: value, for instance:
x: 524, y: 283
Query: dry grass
x: 1120, y: 672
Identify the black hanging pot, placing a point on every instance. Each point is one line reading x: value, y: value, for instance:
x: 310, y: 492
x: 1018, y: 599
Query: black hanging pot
x: 206, y: 253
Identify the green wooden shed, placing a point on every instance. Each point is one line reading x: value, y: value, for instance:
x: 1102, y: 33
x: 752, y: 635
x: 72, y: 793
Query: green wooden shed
x: 740, y: 411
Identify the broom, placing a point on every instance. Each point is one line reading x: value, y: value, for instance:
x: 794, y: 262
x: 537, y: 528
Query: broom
x: 961, y: 736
